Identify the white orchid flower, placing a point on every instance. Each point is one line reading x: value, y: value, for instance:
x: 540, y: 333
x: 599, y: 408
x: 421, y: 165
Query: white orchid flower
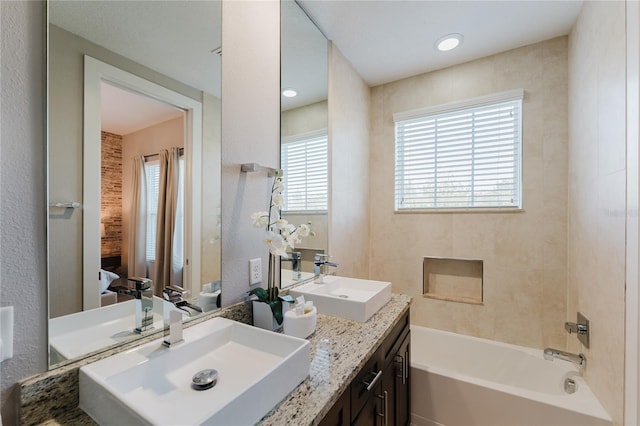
x: 281, y: 235
x: 277, y: 200
x: 260, y: 219
x: 281, y: 224
x: 276, y: 243
x: 304, y: 230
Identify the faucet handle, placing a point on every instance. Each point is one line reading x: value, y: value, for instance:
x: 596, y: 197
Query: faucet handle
x: 321, y: 257
x: 141, y: 283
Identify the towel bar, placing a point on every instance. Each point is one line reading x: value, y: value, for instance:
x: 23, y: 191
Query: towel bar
x: 69, y: 205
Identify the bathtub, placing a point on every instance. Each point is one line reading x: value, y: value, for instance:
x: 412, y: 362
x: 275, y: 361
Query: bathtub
x: 462, y: 380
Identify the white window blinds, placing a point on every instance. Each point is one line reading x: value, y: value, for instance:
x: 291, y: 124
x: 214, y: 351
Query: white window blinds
x: 305, y: 164
x: 464, y: 156
x: 152, y: 170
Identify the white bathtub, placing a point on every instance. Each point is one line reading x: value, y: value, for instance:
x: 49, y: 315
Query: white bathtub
x: 462, y: 380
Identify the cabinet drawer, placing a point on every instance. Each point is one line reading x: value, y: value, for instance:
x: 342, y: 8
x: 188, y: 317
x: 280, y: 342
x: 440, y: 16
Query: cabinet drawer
x: 366, y: 383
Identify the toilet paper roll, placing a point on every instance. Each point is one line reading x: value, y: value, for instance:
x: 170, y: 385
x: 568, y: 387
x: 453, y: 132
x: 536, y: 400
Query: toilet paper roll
x: 208, y: 301
x: 300, y: 325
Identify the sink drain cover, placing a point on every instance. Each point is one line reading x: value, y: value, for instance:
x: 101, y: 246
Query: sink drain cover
x: 205, y: 379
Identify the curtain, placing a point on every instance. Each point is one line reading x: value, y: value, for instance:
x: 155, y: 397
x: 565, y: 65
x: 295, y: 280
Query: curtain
x: 137, y: 266
x: 167, y: 212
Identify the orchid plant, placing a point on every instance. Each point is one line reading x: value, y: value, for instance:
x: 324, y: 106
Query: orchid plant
x: 280, y: 236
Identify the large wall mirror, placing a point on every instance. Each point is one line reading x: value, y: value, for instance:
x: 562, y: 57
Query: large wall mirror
x: 304, y: 139
x: 134, y: 92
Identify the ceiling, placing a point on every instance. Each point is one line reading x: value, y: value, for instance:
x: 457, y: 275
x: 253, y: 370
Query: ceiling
x: 125, y: 112
x: 174, y: 38
x: 387, y: 40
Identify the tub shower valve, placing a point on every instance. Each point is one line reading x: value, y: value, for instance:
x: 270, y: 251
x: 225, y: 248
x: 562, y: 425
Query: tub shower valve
x: 580, y: 327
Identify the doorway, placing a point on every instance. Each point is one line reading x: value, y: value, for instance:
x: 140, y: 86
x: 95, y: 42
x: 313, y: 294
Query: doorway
x: 100, y: 80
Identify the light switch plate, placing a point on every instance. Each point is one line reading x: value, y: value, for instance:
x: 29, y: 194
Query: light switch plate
x: 6, y: 332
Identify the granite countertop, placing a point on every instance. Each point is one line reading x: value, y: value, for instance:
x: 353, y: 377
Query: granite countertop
x: 339, y: 349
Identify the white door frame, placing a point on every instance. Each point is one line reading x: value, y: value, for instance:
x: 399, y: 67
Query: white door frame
x: 96, y: 72
x: 632, y: 329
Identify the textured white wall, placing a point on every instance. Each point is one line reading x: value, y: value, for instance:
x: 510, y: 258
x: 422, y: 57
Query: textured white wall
x: 251, y: 89
x: 22, y: 192
x: 250, y: 133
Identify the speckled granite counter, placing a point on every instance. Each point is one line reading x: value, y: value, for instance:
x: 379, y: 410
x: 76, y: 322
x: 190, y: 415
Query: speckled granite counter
x: 52, y: 397
x: 339, y: 349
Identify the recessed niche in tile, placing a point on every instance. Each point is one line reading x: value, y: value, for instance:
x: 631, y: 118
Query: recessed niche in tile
x: 455, y: 280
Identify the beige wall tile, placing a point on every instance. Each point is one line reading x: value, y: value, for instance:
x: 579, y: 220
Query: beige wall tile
x: 596, y: 233
x: 520, y: 250
x: 349, y: 166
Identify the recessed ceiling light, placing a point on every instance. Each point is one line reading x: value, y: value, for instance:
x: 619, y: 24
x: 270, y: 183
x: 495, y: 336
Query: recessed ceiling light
x: 289, y: 93
x: 448, y: 42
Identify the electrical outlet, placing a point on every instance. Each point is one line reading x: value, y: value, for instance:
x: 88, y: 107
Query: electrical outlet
x: 255, y: 271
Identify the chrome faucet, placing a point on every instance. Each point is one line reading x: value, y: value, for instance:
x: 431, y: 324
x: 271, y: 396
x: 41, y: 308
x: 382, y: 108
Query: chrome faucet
x: 321, y: 260
x: 296, y: 263
x: 172, y: 325
x: 143, y: 293
x: 550, y: 354
x: 175, y: 294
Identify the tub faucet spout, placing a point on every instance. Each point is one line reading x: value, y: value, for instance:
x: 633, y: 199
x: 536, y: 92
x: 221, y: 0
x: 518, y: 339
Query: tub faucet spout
x: 550, y: 354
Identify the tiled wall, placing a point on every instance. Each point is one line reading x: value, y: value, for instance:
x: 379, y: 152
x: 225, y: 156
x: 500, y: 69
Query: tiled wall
x: 524, y: 254
x: 111, y: 190
x: 597, y: 174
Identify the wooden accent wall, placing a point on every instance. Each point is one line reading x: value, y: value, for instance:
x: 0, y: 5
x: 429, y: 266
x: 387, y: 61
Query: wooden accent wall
x: 111, y: 187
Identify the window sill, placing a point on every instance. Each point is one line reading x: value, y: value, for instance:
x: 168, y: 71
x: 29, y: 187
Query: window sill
x: 304, y: 212
x: 464, y: 210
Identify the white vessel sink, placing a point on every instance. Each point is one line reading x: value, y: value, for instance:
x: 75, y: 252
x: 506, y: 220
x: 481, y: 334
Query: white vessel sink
x: 343, y: 297
x: 71, y: 336
x: 151, y: 384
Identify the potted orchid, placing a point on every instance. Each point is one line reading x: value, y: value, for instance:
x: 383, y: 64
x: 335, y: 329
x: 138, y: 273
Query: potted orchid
x: 280, y: 236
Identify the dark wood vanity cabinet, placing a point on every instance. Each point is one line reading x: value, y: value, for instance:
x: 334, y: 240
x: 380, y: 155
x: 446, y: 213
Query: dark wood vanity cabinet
x: 340, y: 413
x: 380, y: 393
x: 397, y: 385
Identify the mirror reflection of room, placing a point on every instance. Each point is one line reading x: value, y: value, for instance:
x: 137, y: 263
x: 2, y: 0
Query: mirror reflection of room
x: 96, y: 247
x: 304, y: 148
x: 142, y: 177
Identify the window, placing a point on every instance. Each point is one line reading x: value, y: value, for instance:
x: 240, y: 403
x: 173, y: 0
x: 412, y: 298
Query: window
x: 463, y: 155
x: 152, y: 171
x: 304, y: 161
